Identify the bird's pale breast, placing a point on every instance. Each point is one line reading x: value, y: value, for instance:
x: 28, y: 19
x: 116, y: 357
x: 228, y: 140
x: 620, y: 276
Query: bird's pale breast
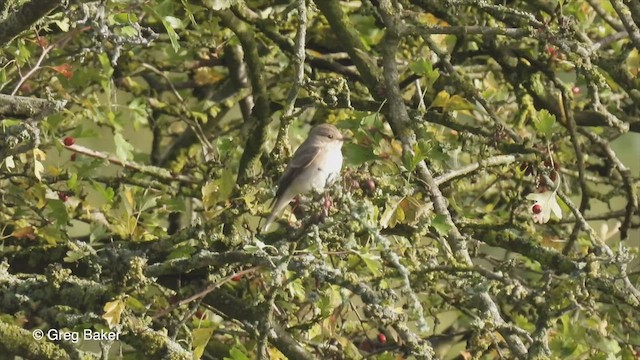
x: 324, y: 170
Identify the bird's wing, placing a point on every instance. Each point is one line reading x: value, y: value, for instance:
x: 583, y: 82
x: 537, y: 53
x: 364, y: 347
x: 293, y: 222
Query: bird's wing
x: 302, y: 158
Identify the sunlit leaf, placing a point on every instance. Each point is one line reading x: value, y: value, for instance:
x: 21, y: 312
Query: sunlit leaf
x: 357, y: 155
x: 372, y: 262
x: 545, y: 123
x: 38, y: 168
x: 200, y: 340
x: 124, y: 150
x: 439, y: 222
x: 113, y: 311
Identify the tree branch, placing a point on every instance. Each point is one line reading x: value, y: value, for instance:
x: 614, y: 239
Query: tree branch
x: 22, y: 19
x: 28, y: 107
x: 261, y: 111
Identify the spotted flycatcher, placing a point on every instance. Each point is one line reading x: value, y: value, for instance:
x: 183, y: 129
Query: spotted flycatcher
x: 315, y: 165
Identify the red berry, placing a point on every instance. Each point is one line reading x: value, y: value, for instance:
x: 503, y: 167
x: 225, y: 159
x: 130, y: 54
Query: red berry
x: 537, y: 209
x: 63, y: 196
x: 575, y: 90
x: 73, y: 157
x: 236, y: 278
x: 200, y: 314
x: 382, y: 338
x: 68, y: 141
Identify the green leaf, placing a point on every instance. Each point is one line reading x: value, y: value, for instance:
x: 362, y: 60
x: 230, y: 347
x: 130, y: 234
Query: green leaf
x: 421, y: 151
x: 357, y: 155
x: 425, y: 68
x: 372, y: 262
x: 421, y: 67
x: 181, y: 252
x: 545, y: 123
x: 58, y: 212
x: 167, y: 22
x: 107, y: 192
x: 73, y: 256
x: 369, y: 120
x: 201, y: 338
x: 439, y: 222
x: 237, y: 354
x: 124, y: 150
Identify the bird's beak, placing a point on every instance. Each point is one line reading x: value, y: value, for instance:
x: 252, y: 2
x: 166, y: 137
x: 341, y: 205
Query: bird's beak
x: 346, y: 138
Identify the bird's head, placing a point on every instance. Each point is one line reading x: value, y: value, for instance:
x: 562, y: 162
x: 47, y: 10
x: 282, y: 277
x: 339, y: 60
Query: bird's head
x: 327, y: 133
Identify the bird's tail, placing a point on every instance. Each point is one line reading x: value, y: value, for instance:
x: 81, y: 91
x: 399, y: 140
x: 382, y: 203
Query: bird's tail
x: 280, y: 204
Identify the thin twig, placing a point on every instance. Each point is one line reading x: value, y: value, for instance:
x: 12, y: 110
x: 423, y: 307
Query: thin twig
x: 154, y: 171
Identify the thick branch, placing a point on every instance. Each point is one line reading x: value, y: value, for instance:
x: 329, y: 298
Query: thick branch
x: 24, y: 17
x: 351, y: 43
x: 261, y: 111
x: 20, y: 342
x: 27, y: 107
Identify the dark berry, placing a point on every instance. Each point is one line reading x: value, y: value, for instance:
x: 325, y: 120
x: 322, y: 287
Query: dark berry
x: 63, y: 196
x: 74, y: 157
x: 200, y: 314
x: 537, y: 209
x: 68, y: 141
x: 370, y: 186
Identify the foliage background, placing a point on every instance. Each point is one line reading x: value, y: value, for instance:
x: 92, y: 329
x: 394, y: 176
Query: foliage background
x: 142, y: 141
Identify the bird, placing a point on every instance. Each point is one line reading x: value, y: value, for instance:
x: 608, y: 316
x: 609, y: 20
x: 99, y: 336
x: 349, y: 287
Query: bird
x: 315, y: 165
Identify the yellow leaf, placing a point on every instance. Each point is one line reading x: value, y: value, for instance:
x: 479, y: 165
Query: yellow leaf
x: 207, y: 76
x: 24, y: 233
x: 457, y: 102
x: 112, y: 312
x: 201, y: 338
x: 392, y: 215
x: 208, y: 194
x: 441, y: 100
x: 38, y: 168
x: 9, y: 163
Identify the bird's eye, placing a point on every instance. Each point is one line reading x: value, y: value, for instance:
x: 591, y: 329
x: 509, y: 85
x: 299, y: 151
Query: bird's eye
x: 330, y: 136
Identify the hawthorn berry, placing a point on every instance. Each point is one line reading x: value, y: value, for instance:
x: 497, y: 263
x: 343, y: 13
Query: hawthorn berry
x: 200, y: 314
x: 370, y: 186
x: 536, y: 209
x: 63, y: 196
x: 68, y: 141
